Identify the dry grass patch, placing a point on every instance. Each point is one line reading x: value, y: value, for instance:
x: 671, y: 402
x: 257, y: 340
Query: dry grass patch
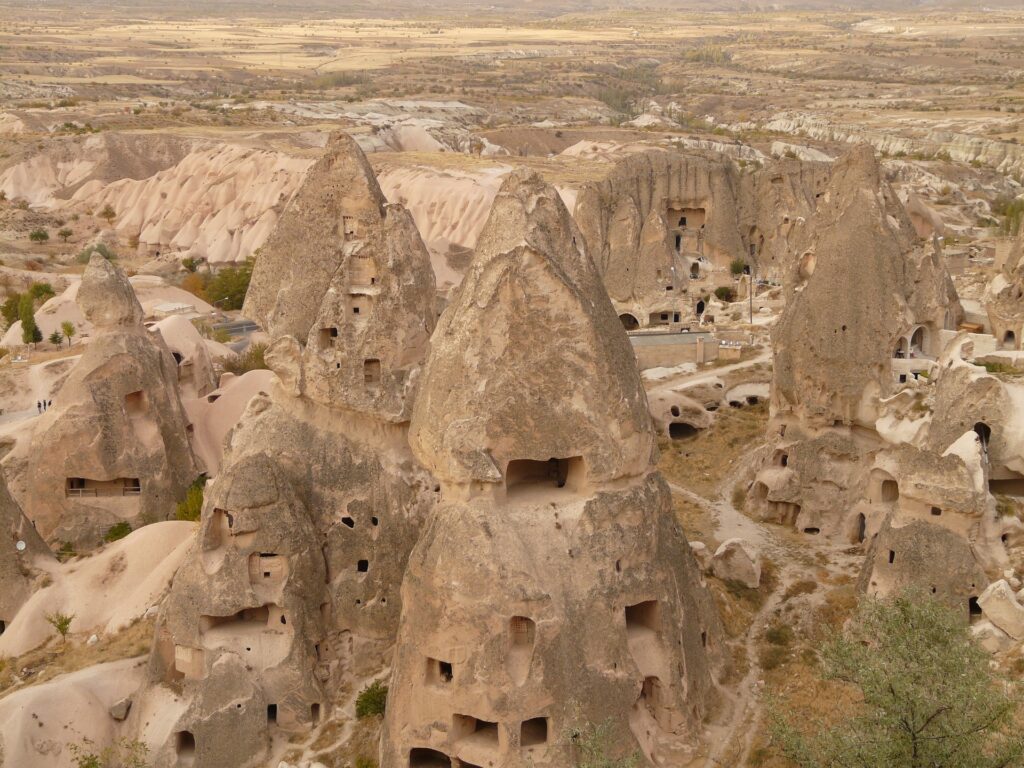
x: 702, y: 463
x: 54, y: 659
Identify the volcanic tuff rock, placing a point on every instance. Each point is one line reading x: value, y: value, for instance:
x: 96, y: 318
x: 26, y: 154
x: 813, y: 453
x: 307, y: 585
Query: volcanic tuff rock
x: 306, y: 532
x: 1004, y: 299
x: 16, y: 561
x: 531, y: 283
x: 661, y: 217
x: 114, y: 446
x: 858, y: 286
x: 552, y: 586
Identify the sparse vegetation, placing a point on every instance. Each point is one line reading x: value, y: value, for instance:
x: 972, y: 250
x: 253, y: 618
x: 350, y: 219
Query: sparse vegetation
x: 595, y: 747
x: 124, y: 753
x: 251, y: 359
x: 39, y: 236
x: 61, y: 623
x: 117, y: 532
x: 725, y: 293
x: 86, y: 254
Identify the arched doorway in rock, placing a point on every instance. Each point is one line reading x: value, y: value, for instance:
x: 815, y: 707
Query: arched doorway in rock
x: 984, y: 433
x: 700, y: 307
x: 629, y: 322
x: 918, y: 340
x: 1009, y: 340
x: 694, y: 271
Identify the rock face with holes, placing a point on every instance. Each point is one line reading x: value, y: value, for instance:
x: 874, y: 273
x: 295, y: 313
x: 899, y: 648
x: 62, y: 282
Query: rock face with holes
x: 848, y: 361
x: 20, y: 548
x: 552, y: 586
x: 291, y: 598
x: 662, y: 219
x: 1004, y: 299
x: 834, y: 346
x: 114, y: 446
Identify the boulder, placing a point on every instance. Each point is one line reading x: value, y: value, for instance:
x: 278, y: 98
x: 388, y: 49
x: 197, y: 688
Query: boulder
x: 735, y: 560
x: 999, y: 605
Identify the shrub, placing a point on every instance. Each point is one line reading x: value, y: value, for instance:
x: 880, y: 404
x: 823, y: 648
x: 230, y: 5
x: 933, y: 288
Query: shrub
x: 10, y: 309
x: 251, y: 359
x: 725, y: 293
x: 38, y: 235
x: 190, y: 264
x: 56, y: 338
x: 64, y: 233
x: 117, y: 532
x: 108, y: 213
x: 61, y: 622
x: 372, y: 700
x: 736, y: 267
x: 365, y: 762
x: 191, y: 507
x: 195, y: 284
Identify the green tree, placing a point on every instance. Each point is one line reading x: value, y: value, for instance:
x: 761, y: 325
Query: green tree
x: 226, y: 289
x: 191, y: 507
x: 725, y: 293
x: 68, y: 329
x: 64, y: 233
x: 38, y: 235
x: 56, y: 338
x: 11, y: 309
x: 108, y: 213
x: 41, y: 291
x: 372, y: 700
x: 30, y: 332
x: 925, y: 696
x: 736, y: 267
x: 61, y: 622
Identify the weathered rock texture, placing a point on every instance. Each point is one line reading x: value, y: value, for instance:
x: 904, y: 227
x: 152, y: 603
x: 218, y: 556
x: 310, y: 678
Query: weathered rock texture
x: 552, y: 586
x: 663, y: 218
x: 114, y: 447
x: 1004, y: 299
x: 879, y: 435
x: 291, y: 598
x: 20, y: 546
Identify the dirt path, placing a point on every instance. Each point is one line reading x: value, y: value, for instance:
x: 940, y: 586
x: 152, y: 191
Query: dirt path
x: 732, y: 739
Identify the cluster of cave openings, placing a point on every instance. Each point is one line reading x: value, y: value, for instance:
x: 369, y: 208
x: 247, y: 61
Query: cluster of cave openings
x: 185, y: 748
x: 371, y: 373
x: 267, y: 569
x: 439, y: 672
x: 629, y: 322
x: 533, y: 732
x: 136, y: 403
x: 469, y: 731
x: 421, y: 757
x: 328, y: 337
x: 363, y: 271
x: 121, y: 486
x: 526, y: 474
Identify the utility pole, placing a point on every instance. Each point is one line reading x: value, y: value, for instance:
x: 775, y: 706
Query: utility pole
x: 750, y: 294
